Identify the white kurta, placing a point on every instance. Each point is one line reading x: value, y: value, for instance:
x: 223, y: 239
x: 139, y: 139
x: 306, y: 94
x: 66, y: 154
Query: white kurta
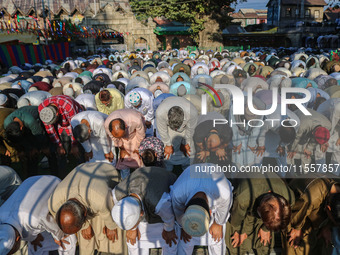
x: 219, y: 194
x: 27, y: 211
x: 151, y: 234
x: 88, y: 101
x: 146, y: 107
x: 35, y: 97
x: 99, y: 143
x: 151, y: 237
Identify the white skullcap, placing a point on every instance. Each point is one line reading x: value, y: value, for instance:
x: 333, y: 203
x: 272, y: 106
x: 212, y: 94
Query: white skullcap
x: 32, y: 89
x: 3, y: 99
x: 69, y: 92
x: 111, y: 86
x: 7, y: 238
x: 126, y: 213
x: 46, y: 80
x: 16, y: 86
x: 87, y: 91
x: 181, y: 90
x: 48, y: 115
x: 200, y: 70
x: 157, y: 93
x: 134, y: 98
x: 57, y: 84
x: 124, y: 80
x: 195, y: 221
x: 23, y: 102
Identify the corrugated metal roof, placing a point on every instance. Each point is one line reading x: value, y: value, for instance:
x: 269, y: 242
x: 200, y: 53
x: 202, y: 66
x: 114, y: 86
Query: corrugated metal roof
x: 251, y: 16
x: 237, y: 15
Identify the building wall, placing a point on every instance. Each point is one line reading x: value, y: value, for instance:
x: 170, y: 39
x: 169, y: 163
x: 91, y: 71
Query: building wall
x: 251, y: 22
x: 242, y: 21
x: 184, y: 41
x: 295, y: 14
x: 125, y: 23
x: 273, y: 10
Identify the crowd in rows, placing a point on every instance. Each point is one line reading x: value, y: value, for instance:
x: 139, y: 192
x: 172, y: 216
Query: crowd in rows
x: 144, y: 133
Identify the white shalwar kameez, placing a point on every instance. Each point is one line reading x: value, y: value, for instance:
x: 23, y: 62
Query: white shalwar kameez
x: 27, y: 211
x: 219, y: 194
x: 99, y: 143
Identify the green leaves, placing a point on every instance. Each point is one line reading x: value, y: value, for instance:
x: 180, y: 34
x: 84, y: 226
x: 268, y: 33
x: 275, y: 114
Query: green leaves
x: 191, y: 12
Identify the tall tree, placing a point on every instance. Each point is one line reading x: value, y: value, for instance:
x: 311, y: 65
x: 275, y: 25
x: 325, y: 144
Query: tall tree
x: 192, y: 12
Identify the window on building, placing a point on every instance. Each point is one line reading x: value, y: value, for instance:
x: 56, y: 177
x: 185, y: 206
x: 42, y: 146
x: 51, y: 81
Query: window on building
x: 307, y: 13
x: 251, y: 21
x: 288, y: 12
x: 316, y: 14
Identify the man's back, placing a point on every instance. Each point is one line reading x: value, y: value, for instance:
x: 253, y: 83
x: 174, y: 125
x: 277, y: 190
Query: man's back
x: 27, y: 208
x: 149, y: 183
x: 91, y: 185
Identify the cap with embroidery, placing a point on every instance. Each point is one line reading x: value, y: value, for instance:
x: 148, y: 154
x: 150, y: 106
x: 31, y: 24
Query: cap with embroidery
x: 48, y: 115
x: 134, y: 98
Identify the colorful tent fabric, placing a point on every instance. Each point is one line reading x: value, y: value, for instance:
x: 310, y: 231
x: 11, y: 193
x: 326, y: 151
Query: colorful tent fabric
x: 16, y: 55
x: 58, y: 51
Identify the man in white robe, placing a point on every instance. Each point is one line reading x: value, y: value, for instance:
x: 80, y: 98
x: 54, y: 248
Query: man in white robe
x: 88, y: 129
x: 198, y: 183
x: 26, y: 211
x: 141, y: 100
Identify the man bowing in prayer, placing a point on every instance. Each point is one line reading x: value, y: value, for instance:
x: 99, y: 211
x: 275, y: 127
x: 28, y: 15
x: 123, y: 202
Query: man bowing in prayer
x: 126, y: 127
x: 201, y: 200
x: 25, y: 216
x: 82, y: 203
x: 143, y: 208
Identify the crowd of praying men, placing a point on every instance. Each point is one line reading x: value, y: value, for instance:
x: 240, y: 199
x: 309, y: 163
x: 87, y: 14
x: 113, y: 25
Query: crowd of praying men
x: 118, y: 153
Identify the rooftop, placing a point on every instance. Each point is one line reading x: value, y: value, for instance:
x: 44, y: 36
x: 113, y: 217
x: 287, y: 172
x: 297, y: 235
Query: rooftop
x: 24, y: 7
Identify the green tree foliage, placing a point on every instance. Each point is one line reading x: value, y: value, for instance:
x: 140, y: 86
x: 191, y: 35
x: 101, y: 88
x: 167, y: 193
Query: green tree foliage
x: 192, y: 12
